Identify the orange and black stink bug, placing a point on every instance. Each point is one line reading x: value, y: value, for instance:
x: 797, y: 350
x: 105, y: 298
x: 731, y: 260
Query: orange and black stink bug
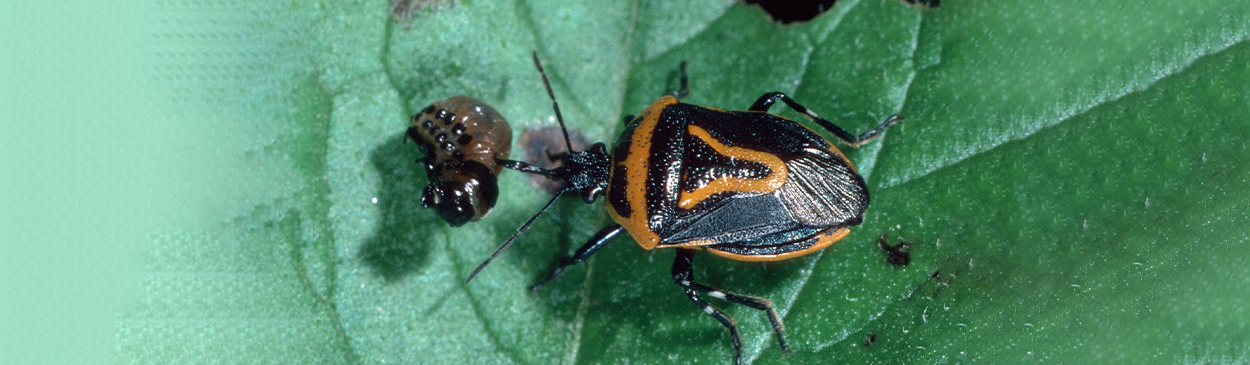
x: 462, y: 138
x: 747, y: 185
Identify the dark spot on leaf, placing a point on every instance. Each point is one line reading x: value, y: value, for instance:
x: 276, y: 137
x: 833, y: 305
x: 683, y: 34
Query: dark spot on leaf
x: 896, y: 255
x: 401, y: 10
x: 924, y: 3
x: 541, y: 145
x: 783, y: 11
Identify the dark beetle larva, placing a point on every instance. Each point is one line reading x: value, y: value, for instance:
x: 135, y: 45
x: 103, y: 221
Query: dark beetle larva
x: 462, y: 138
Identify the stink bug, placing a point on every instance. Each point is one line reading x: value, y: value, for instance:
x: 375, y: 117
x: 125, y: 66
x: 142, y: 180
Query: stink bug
x: 747, y: 185
x: 462, y: 138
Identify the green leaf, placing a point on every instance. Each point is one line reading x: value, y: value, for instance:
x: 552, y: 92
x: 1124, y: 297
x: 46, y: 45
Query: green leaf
x: 1071, y: 178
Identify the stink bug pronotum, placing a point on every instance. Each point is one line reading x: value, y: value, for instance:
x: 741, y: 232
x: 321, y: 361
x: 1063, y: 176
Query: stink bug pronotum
x: 747, y: 185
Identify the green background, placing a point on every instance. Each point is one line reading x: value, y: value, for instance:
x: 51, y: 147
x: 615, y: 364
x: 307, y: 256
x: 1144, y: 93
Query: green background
x: 217, y: 182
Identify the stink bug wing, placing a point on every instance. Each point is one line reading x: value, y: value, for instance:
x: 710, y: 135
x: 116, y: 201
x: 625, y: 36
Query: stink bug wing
x: 824, y: 190
x: 734, y: 220
x: 747, y: 213
x: 821, y: 187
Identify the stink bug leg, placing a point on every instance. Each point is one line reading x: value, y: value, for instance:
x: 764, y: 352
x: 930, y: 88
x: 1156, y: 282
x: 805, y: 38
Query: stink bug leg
x: 607, y: 234
x: 683, y: 275
x: 768, y: 99
x: 684, y: 91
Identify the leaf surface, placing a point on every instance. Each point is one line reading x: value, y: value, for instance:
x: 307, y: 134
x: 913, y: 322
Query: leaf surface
x: 1071, y: 178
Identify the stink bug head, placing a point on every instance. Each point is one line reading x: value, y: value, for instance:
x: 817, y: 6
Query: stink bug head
x: 585, y: 172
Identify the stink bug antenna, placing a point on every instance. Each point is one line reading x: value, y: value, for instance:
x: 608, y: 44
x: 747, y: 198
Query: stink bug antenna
x: 526, y: 168
x: 507, y: 243
x: 554, y: 105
